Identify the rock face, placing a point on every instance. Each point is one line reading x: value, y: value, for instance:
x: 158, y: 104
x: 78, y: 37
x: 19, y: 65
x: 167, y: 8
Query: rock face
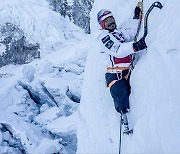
x: 77, y: 11
x: 17, y: 50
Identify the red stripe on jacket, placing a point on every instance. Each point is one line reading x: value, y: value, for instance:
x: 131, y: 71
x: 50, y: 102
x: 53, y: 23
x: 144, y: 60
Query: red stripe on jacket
x: 127, y: 59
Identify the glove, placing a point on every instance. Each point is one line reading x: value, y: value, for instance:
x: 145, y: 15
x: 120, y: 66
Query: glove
x: 137, y: 12
x: 140, y: 45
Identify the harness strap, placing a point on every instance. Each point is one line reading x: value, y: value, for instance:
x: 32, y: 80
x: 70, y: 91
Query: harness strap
x: 117, y: 68
x: 114, y: 81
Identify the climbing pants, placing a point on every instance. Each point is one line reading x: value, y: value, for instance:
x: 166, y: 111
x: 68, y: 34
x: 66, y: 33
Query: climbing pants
x: 120, y: 91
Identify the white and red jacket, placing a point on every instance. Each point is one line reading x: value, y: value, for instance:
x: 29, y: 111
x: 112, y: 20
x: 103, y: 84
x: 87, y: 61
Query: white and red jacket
x: 117, y: 46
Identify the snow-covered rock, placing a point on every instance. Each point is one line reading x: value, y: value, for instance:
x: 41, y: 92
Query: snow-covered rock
x: 34, y: 96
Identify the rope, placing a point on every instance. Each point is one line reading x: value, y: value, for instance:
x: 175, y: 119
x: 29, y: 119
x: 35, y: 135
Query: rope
x: 120, y: 133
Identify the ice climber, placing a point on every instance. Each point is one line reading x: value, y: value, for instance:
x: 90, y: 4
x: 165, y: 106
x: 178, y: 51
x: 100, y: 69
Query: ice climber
x: 117, y: 49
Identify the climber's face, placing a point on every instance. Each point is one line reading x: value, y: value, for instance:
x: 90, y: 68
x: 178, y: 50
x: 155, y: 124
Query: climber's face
x: 110, y: 23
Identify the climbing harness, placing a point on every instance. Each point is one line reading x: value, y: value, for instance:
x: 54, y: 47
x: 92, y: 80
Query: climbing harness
x: 119, y: 72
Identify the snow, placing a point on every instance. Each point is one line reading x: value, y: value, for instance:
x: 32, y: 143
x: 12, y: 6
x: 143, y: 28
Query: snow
x: 65, y: 124
x: 70, y: 2
x: 2, y: 49
x: 160, y: 102
x: 39, y: 101
x: 47, y: 28
x: 47, y: 116
x: 48, y: 146
x: 28, y: 73
x: 79, y: 115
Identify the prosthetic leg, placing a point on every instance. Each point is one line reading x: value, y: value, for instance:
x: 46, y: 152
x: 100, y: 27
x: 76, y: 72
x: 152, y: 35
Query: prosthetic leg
x: 125, y: 124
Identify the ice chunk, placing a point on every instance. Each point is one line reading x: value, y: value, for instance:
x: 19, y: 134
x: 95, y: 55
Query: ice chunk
x: 47, y: 116
x: 44, y: 108
x: 49, y: 146
x: 6, y: 136
x: 28, y: 72
x: 48, y: 68
x: 64, y: 124
x: 1, y: 138
x: 2, y: 49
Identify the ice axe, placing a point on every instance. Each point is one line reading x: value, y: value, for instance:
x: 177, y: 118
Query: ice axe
x: 155, y: 4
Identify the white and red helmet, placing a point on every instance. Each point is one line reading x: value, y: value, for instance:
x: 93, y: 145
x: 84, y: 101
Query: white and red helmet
x: 102, y: 15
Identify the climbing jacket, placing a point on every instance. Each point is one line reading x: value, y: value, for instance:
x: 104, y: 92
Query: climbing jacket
x: 117, y: 47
